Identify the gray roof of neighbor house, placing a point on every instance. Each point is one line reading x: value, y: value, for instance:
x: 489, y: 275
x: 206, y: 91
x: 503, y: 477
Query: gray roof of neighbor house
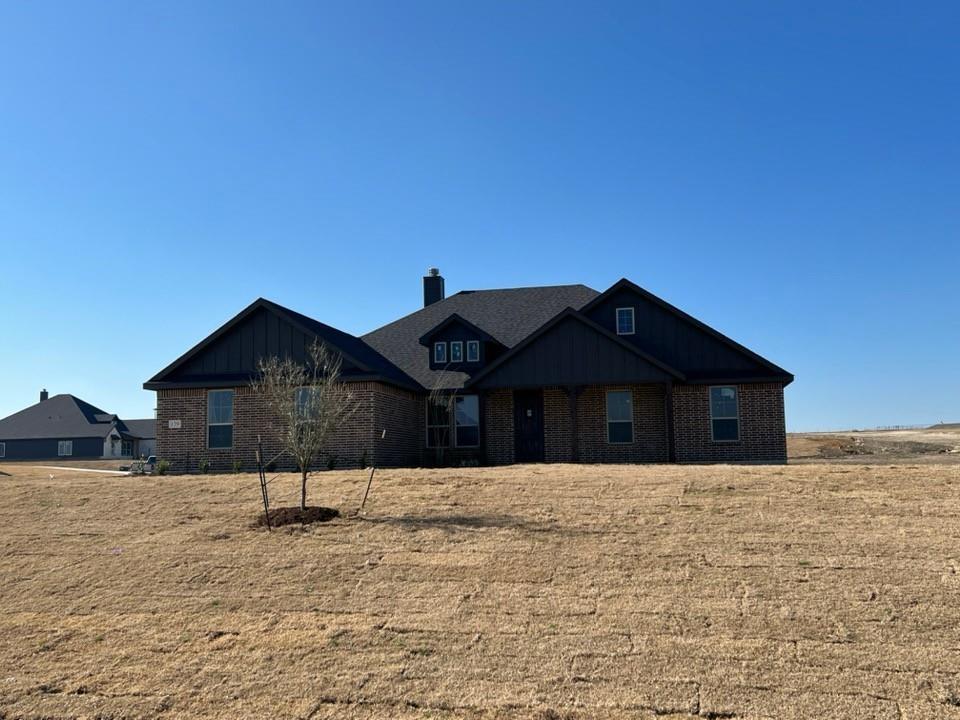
x: 509, y: 315
x: 143, y: 429
x: 61, y: 416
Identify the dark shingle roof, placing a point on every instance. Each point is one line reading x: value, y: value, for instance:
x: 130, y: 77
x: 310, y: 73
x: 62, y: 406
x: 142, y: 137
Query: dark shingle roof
x: 62, y: 416
x: 509, y: 315
x: 143, y: 429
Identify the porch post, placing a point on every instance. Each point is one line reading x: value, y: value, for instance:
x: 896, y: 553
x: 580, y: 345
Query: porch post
x: 668, y: 403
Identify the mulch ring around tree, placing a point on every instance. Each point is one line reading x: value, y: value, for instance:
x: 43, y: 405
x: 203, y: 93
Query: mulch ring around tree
x: 295, y: 516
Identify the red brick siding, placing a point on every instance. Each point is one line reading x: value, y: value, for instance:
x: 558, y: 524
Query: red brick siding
x: 401, y: 414
x: 762, y: 426
x: 556, y: 425
x: 650, y: 443
x: 498, y: 427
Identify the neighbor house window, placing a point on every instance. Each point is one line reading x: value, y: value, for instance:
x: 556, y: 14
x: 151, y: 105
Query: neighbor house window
x: 126, y: 448
x: 3, y: 449
x: 438, y: 422
x: 724, y: 414
x: 473, y: 351
x: 456, y: 351
x: 620, y: 416
x: 440, y: 352
x: 220, y: 419
x: 65, y: 447
x: 625, y: 321
x: 468, y: 421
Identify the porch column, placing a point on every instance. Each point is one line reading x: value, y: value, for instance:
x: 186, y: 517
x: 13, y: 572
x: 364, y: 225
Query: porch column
x: 668, y: 403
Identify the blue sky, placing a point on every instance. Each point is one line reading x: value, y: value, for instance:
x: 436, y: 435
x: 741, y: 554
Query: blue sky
x: 787, y: 172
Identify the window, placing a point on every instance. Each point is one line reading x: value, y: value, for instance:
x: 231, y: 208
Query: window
x: 625, y: 321
x: 620, y: 416
x: 724, y: 415
x: 306, y: 400
x: 220, y: 419
x: 65, y: 447
x: 3, y: 449
x: 438, y: 422
x: 473, y: 351
x: 439, y: 352
x: 456, y: 351
x: 468, y: 421
x: 126, y: 448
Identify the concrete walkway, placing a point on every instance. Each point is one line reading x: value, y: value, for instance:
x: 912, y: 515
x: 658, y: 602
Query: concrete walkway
x: 87, y: 470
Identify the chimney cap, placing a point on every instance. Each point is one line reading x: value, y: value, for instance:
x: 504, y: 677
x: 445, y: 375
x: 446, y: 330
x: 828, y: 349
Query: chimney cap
x: 433, y: 272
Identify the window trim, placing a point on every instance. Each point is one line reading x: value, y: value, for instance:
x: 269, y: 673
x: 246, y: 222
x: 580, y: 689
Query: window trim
x: 619, y: 422
x: 475, y: 344
x: 233, y: 395
x: 437, y: 346
x: 736, y: 397
x: 459, y: 344
x: 456, y: 425
x: 65, y: 448
x: 429, y: 426
x: 633, y: 321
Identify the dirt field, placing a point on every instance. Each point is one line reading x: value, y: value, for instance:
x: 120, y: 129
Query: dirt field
x: 938, y: 444
x: 807, y: 591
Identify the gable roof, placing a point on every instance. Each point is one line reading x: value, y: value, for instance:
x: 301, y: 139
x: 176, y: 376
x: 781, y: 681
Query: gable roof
x: 771, y: 371
x: 366, y: 362
x: 508, y: 315
x: 455, y: 319
x: 143, y: 429
x: 608, y: 343
x: 61, y: 416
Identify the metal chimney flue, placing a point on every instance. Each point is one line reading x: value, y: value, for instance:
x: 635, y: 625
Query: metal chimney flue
x: 44, y: 395
x: 432, y: 287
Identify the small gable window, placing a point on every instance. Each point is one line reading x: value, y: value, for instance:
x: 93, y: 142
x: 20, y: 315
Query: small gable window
x: 724, y: 414
x: 625, y: 321
x: 440, y: 352
x: 220, y: 419
x: 65, y: 447
x: 619, y: 416
x: 473, y: 351
x: 456, y: 351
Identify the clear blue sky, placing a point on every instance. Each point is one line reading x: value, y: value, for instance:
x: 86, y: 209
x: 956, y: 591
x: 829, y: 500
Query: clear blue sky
x: 787, y: 172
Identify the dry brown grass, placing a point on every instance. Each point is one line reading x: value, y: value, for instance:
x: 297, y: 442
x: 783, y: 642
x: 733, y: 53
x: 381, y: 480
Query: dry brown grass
x: 812, y: 591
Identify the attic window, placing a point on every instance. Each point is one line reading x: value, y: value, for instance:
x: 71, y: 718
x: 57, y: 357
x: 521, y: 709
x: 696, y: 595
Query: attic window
x: 473, y: 351
x: 440, y: 352
x: 456, y: 351
x: 625, y: 321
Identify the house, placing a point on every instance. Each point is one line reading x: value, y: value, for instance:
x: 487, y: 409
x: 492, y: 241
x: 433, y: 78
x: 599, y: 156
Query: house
x: 538, y: 374
x: 66, y: 426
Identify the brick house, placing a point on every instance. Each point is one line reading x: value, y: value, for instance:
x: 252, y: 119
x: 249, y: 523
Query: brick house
x: 541, y: 374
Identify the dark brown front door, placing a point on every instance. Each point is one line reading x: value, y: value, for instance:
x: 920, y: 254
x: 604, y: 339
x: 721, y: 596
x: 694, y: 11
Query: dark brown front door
x: 528, y: 425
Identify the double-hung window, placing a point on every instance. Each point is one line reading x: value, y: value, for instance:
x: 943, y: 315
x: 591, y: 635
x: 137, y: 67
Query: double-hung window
x: 724, y: 414
x: 3, y: 449
x: 473, y: 351
x: 468, y: 421
x: 619, y: 416
x: 220, y: 419
x: 440, y: 352
x: 625, y: 321
x: 64, y: 448
x: 456, y: 351
x: 306, y: 401
x: 438, y: 421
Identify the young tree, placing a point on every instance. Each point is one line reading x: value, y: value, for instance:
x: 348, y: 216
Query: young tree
x: 441, y: 406
x: 307, y: 403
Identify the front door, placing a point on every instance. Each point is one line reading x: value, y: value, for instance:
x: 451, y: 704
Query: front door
x: 528, y: 425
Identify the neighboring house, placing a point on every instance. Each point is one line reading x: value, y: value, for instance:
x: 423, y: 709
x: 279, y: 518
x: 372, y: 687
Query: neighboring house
x: 66, y: 426
x: 555, y: 374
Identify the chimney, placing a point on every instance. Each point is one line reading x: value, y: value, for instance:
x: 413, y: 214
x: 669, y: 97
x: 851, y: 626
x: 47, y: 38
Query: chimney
x: 44, y: 395
x: 432, y: 287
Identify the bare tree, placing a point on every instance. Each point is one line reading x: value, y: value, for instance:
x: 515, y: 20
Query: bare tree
x: 441, y: 403
x: 307, y: 403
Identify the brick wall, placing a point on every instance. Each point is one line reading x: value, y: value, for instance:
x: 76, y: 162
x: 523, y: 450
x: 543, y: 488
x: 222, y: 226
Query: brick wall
x: 556, y: 425
x: 498, y: 427
x: 401, y: 413
x: 650, y: 443
x: 762, y: 427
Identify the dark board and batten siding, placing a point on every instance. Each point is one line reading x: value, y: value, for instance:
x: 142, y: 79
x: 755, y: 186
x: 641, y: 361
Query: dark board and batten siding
x: 46, y: 448
x: 572, y: 353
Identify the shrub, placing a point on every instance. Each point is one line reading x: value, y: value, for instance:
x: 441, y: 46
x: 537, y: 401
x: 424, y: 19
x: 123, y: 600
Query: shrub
x: 363, y: 460
x: 331, y: 462
x: 204, y: 466
x: 163, y: 467
x: 236, y: 467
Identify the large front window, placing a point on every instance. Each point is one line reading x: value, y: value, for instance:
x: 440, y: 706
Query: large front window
x: 619, y: 416
x: 220, y: 419
x: 724, y: 414
x: 438, y: 422
x: 468, y: 421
